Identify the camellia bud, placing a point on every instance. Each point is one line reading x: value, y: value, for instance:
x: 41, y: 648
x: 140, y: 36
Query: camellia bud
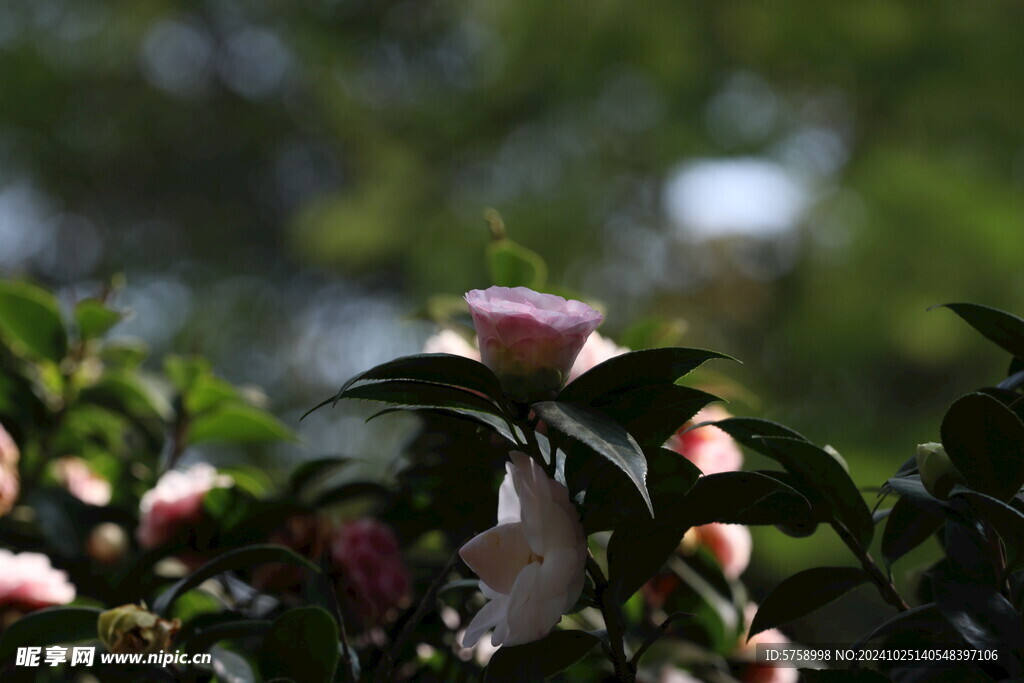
x: 938, y: 473
x: 530, y: 340
x: 107, y: 543
x: 132, y: 629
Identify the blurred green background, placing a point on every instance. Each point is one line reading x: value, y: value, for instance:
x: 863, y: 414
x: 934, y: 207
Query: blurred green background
x: 283, y: 182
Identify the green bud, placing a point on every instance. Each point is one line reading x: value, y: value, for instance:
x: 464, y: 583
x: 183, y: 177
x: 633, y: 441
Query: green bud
x: 938, y: 473
x: 135, y: 630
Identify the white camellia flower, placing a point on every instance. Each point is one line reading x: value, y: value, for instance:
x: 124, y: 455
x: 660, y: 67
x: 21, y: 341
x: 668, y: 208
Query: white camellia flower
x: 531, y: 565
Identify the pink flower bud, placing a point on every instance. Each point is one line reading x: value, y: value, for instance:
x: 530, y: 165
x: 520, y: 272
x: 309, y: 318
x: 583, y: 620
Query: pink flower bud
x: 28, y: 582
x: 176, y: 502
x: 528, y: 339
x: 79, y: 479
x: 731, y: 544
x: 372, y: 572
x: 709, y: 448
x: 9, y: 453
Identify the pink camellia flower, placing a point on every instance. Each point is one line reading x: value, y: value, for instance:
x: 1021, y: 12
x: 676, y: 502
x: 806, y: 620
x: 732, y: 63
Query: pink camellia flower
x: 373, y: 573
x: 709, y: 448
x: 175, y: 502
x: 731, y: 545
x: 531, y: 565
x: 596, y: 350
x: 528, y: 339
x: 10, y: 485
x: 28, y: 582
x: 763, y: 673
x: 9, y: 453
x: 84, y: 484
x: 450, y: 341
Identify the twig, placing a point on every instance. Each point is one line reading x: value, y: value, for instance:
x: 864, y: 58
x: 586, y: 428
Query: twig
x: 653, y: 638
x: 884, y: 584
x: 613, y: 623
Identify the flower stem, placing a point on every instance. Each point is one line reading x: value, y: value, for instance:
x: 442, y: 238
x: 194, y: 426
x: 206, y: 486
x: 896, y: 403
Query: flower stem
x: 613, y: 623
x: 885, y: 586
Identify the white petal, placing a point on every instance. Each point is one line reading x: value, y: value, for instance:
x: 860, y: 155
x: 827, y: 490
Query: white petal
x: 498, y: 555
x: 487, y: 618
x: 559, y: 572
x: 530, y: 617
x: 508, y: 501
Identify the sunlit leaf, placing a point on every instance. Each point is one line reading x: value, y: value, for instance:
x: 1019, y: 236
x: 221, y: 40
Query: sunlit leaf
x: 30, y: 321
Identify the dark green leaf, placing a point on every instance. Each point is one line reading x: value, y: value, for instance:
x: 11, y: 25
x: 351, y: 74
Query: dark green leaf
x: 207, y: 392
x: 601, y: 435
x: 206, y: 638
x: 803, y: 593
x: 238, y: 423
x: 983, y: 439
x: 926, y: 618
x: 183, y: 371
x: 1004, y: 329
x: 1007, y: 521
x: 512, y: 265
x: 49, y: 626
x: 636, y: 369
x: 821, y: 478
x: 499, y: 425
x: 654, y: 413
x: 350, y: 490
x: 981, y: 615
x: 908, y: 526
x: 30, y: 321
x: 318, y: 470
x: 536, y: 661
x: 433, y: 368
x: 241, y: 558
x: 302, y: 646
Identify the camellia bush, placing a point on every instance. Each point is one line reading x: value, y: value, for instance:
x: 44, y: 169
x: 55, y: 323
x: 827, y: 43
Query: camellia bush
x: 567, y: 507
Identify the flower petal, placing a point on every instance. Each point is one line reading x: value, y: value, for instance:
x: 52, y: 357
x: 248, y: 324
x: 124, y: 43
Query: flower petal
x: 530, y: 617
x: 508, y: 501
x: 489, y: 616
x: 498, y: 555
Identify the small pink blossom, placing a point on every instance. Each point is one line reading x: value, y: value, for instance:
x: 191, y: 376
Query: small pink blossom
x: 450, y: 341
x: 83, y: 483
x: 709, y: 448
x: 595, y: 351
x: 28, y: 582
x: 731, y: 545
x: 373, y: 572
x: 530, y: 340
x: 176, y: 502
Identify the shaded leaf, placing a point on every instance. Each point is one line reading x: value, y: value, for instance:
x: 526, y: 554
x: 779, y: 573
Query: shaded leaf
x: 1007, y: 521
x: 1004, y: 329
x: 512, y: 265
x: 983, y: 439
x: 536, y: 661
x: 206, y: 638
x: 49, y: 626
x: 601, y: 435
x: 241, y: 558
x: 803, y: 593
x: 926, y: 618
x: 231, y: 667
x: 908, y: 526
x: 302, y: 646
x: 654, y: 413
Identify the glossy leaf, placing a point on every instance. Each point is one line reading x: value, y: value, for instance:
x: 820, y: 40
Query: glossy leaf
x: 94, y: 318
x: 302, y: 646
x: 601, y: 435
x: 241, y: 558
x: 231, y: 667
x: 49, y: 626
x: 238, y: 423
x: 1005, y: 519
x: 803, y: 593
x: 204, y: 639
x: 654, y: 413
x: 538, y: 660
x: 30, y: 321
x: 1004, y: 329
x: 636, y: 369
x: 983, y: 439
x: 907, y: 527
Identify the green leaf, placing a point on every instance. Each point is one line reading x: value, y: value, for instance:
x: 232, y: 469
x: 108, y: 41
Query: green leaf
x: 803, y: 593
x: 601, y: 435
x: 635, y: 369
x: 204, y: 639
x: 30, y: 321
x: 238, y: 423
x: 125, y: 392
x: 983, y: 439
x: 49, y: 626
x: 231, y: 667
x: 317, y: 470
x: 433, y: 368
x: 512, y: 265
x: 1007, y: 521
x: 816, y: 473
x: 183, y: 371
x: 654, y: 413
x: 418, y: 395
x: 498, y: 424
x: 241, y: 558
x: 207, y: 392
x: 1004, y: 329
x: 94, y: 319
x: 538, y: 660
x: 302, y: 646
x: 925, y: 618
x: 907, y: 527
